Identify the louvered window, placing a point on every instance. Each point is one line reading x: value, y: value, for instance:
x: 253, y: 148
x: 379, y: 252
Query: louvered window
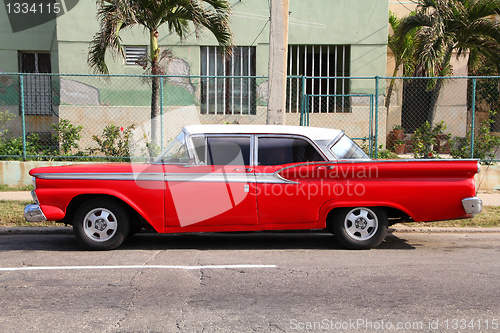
x: 134, y: 54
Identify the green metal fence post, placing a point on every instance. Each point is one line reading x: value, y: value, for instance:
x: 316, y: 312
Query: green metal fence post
x: 370, y: 127
x: 23, y: 119
x: 473, y: 118
x: 161, y: 113
x: 303, y: 104
x: 376, y: 115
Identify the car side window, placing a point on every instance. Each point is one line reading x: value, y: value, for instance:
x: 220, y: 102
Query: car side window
x: 220, y: 150
x: 176, y: 152
x: 275, y: 151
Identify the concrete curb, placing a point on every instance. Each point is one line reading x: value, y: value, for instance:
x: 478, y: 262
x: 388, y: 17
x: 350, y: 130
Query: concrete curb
x: 36, y: 230
x: 404, y: 228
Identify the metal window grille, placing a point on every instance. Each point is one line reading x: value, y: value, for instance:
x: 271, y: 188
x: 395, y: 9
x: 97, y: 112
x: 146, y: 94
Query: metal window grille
x: 133, y: 54
x: 327, y: 68
x: 228, y: 84
x: 37, y: 88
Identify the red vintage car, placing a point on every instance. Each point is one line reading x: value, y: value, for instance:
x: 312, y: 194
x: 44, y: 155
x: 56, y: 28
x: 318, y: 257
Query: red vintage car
x: 215, y: 178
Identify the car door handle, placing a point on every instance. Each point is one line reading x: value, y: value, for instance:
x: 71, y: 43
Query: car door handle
x: 328, y: 167
x: 243, y: 169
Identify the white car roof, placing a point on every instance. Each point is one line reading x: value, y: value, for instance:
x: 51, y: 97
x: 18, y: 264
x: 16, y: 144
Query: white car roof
x: 314, y: 133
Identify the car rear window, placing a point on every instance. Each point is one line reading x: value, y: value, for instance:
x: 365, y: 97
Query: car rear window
x: 276, y: 151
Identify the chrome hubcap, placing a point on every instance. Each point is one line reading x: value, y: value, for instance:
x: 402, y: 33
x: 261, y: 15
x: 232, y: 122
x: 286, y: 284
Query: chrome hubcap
x: 361, y: 223
x: 100, y: 224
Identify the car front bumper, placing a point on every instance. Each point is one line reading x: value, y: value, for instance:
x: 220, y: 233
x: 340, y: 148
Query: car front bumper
x: 472, y: 205
x: 33, y: 213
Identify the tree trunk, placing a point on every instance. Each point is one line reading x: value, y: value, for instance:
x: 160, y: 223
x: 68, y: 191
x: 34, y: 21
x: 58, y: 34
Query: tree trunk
x: 439, y: 83
x: 155, y: 91
x: 391, y: 87
x: 434, y: 99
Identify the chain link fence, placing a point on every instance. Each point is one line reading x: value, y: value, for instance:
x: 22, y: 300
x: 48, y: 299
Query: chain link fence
x: 87, y: 117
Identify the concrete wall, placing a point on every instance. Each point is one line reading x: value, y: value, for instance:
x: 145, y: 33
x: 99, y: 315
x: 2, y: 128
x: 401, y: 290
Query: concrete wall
x: 15, y: 173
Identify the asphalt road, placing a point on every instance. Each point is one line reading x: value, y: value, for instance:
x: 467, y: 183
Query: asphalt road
x: 263, y: 282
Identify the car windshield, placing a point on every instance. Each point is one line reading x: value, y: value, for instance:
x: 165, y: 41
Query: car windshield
x: 176, y: 151
x: 345, y: 148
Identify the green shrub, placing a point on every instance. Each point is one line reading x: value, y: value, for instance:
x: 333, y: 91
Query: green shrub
x: 5, y: 116
x: 115, y: 142
x: 425, y: 140
x: 67, y: 135
x: 485, y: 144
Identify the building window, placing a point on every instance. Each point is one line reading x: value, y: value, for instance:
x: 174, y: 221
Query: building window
x: 228, y: 83
x: 326, y: 65
x: 133, y: 54
x: 37, y: 88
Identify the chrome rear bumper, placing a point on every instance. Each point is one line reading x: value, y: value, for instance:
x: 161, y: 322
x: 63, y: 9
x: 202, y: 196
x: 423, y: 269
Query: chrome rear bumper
x: 472, y: 205
x: 33, y: 213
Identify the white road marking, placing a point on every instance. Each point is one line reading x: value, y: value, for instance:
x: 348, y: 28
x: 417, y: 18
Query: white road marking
x: 51, y: 268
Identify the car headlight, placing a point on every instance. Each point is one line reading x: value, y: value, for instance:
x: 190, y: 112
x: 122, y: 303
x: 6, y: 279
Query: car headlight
x: 33, y: 179
x: 478, y: 166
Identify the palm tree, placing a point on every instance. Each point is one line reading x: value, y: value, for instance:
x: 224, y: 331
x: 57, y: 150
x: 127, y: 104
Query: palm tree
x: 447, y: 26
x: 177, y: 15
x: 402, y: 51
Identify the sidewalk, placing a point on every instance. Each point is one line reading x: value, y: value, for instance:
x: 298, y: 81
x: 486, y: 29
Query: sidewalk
x: 16, y: 196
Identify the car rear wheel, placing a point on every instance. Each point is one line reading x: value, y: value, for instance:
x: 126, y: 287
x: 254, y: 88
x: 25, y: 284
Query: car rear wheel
x: 360, y: 228
x: 101, y: 224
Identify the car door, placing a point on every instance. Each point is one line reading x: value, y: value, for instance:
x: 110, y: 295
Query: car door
x: 294, y: 179
x: 217, y: 188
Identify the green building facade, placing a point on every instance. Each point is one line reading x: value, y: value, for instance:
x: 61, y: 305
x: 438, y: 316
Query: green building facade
x: 333, y: 38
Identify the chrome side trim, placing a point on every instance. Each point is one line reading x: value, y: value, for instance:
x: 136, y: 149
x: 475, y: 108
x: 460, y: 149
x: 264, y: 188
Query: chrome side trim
x: 210, y: 177
x: 33, y: 213
x: 170, y: 177
x: 101, y: 176
x: 284, y: 180
x: 272, y: 178
x: 472, y: 205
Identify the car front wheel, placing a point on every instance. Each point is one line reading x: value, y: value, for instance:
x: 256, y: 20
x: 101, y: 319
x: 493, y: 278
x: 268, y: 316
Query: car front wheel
x: 360, y: 228
x: 101, y: 224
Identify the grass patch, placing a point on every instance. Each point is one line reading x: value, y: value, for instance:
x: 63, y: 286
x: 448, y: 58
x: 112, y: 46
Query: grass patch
x: 11, y: 215
x: 489, y: 218
x: 7, y: 188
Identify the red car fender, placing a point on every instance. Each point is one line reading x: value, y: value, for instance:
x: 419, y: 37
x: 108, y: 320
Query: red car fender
x: 57, y: 210
x: 328, y: 206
